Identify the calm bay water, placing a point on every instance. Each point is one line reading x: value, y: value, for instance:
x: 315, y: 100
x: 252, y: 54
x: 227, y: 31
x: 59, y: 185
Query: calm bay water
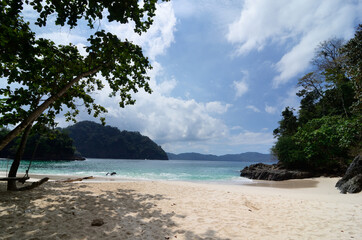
x: 179, y: 170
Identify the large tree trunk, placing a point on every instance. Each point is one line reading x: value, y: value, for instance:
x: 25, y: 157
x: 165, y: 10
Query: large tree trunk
x: 37, y: 112
x: 19, y: 154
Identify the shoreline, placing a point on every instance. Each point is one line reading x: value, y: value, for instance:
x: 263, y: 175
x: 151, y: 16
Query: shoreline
x: 241, y: 181
x: 318, y: 187
x: 97, y: 178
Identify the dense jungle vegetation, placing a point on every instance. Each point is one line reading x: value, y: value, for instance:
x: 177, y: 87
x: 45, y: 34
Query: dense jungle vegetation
x: 325, y: 133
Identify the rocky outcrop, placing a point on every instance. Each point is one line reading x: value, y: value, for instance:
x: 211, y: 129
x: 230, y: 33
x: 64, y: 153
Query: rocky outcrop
x: 351, y: 182
x: 274, y: 172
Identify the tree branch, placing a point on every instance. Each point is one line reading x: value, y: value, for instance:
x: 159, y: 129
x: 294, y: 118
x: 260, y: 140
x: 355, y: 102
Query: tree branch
x: 37, y: 112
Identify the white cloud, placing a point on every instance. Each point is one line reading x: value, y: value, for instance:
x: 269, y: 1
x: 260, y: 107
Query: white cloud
x: 185, y: 8
x: 221, y: 12
x: 63, y: 38
x: 217, y: 107
x: 251, y: 107
x: 81, y: 49
x: 177, y: 124
x: 241, y: 87
x: 304, y: 24
x: 236, y: 128
x: 165, y: 87
x: 243, y: 142
x: 252, y: 138
x: 163, y: 118
x: 157, y: 39
x: 168, y: 119
x: 270, y: 109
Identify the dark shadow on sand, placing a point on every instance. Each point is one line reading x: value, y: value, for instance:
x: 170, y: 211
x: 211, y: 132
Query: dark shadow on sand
x: 127, y: 214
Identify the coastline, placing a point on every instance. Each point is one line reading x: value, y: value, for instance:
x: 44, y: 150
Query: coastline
x: 294, y: 209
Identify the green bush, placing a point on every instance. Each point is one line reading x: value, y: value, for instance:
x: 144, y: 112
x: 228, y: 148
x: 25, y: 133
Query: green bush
x: 322, y: 144
x: 289, y: 153
x: 326, y: 142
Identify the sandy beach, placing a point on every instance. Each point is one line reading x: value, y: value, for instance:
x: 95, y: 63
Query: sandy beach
x: 295, y: 209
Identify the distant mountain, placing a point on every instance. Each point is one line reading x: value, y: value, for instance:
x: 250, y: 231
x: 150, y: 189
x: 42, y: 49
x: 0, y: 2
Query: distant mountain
x: 242, y: 157
x: 94, y: 140
x: 191, y: 156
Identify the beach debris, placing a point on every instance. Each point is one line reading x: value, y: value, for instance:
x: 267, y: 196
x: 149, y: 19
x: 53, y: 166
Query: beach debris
x: 97, y: 222
x: 77, y: 179
x: 112, y: 173
x: 34, y: 184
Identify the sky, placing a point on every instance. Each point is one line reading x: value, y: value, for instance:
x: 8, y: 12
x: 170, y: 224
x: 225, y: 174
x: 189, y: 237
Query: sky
x: 223, y: 71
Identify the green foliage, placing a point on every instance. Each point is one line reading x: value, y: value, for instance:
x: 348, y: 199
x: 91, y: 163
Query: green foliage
x: 353, y: 65
x: 69, y: 12
x: 288, y: 125
x: 7, y: 151
x: 43, y: 78
x: 43, y: 144
x: 326, y: 141
x: 289, y: 153
x: 308, y: 107
x: 329, y: 121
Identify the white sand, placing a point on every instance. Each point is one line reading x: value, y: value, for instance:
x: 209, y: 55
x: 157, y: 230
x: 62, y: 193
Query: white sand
x: 299, y: 209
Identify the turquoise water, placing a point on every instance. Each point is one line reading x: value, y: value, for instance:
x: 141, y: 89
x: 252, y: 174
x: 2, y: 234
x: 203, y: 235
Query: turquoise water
x: 176, y: 170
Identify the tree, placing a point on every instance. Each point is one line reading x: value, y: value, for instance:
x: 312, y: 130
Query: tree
x: 288, y: 125
x: 327, y: 142
x: 327, y: 55
x: 329, y: 61
x: 42, y: 78
x: 353, y: 66
x: 308, y: 106
x: 328, y: 133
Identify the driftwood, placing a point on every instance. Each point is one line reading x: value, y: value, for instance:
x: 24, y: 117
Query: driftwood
x: 34, y: 184
x: 77, y: 179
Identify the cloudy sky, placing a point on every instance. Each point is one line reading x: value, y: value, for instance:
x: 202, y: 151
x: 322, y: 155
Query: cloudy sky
x: 222, y: 70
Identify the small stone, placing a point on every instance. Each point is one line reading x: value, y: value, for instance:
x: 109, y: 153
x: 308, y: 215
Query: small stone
x: 97, y: 222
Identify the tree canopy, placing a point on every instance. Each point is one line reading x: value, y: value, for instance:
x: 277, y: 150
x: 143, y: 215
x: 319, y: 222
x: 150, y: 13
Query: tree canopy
x: 43, y: 144
x: 43, y: 78
x: 326, y: 133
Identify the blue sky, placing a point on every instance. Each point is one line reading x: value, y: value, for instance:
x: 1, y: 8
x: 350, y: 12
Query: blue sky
x: 223, y: 70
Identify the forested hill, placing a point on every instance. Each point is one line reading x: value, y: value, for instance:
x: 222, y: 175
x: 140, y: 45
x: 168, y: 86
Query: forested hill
x: 242, y: 157
x: 94, y: 140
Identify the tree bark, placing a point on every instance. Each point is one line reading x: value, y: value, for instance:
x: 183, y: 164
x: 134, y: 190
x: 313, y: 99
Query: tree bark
x: 19, y: 154
x: 37, y: 112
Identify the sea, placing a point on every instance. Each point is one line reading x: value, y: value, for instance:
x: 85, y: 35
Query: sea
x: 224, y: 172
